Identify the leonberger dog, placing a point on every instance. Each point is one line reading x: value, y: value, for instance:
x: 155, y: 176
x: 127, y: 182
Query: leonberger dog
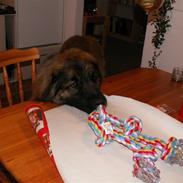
x: 73, y: 76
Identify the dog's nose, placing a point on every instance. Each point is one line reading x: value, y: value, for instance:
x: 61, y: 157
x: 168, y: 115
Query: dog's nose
x: 100, y: 101
x: 95, y: 103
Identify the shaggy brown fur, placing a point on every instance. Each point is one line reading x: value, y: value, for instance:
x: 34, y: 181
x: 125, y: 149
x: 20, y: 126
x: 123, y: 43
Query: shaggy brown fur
x: 89, y: 45
x: 73, y: 76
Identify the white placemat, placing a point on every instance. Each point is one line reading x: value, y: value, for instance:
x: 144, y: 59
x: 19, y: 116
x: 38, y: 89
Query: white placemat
x: 79, y: 160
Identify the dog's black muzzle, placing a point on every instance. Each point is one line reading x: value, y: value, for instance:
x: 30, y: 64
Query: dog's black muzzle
x: 96, y: 100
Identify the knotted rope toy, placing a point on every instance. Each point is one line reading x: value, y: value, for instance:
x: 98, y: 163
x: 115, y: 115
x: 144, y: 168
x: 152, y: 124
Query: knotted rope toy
x: 127, y: 132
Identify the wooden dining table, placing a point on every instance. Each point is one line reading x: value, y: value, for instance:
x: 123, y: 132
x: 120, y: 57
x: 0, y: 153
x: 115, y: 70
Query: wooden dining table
x: 22, y: 152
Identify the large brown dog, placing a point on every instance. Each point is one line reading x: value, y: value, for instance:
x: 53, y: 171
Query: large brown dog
x: 73, y: 76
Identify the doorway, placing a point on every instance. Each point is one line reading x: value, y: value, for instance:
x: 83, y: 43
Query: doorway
x: 125, y: 34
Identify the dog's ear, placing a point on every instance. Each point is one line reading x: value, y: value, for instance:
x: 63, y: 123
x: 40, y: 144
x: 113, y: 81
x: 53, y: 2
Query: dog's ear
x: 44, y: 84
x: 55, y: 84
x: 47, y: 86
x: 41, y: 87
x: 49, y: 92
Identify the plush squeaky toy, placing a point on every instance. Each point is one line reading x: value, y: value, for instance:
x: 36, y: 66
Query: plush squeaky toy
x: 127, y: 132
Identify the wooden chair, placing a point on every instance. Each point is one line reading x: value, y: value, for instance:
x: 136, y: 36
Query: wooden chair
x: 17, y: 57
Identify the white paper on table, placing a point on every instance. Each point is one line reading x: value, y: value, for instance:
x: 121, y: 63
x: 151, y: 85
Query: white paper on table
x: 79, y: 160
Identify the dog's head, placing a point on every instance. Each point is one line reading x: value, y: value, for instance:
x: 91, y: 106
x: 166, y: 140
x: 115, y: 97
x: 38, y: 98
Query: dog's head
x: 72, y: 78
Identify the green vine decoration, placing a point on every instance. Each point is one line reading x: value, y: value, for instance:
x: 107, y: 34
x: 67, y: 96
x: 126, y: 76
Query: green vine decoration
x: 161, y: 24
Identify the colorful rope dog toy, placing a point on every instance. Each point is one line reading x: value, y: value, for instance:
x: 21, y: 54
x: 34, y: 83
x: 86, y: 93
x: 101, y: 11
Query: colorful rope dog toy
x: 127, y: 132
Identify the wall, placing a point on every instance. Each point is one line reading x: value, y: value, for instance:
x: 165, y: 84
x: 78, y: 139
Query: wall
x: 172, y: 55
x: 73, y: 18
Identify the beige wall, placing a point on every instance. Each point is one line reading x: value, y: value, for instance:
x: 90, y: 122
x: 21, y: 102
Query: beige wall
x: 172, y: 55
x: 73, y: 18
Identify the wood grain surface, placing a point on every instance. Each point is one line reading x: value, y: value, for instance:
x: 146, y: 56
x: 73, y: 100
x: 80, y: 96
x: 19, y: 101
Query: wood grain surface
x: 24, y: 156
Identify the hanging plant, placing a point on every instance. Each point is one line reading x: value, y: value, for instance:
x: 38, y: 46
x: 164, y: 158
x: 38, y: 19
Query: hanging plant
x: 161, y: 25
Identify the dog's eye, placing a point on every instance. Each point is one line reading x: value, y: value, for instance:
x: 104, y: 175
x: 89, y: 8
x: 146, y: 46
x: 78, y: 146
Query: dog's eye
x: 95, y: 77
x: 73, y: 84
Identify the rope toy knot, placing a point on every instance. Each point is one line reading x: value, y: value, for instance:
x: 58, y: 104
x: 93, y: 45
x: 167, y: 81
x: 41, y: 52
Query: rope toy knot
x: 173, y: 152
x: 128, y: 132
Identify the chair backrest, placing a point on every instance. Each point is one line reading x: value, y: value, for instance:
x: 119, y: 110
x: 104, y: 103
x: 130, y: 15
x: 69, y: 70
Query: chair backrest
x: 16, y: 57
